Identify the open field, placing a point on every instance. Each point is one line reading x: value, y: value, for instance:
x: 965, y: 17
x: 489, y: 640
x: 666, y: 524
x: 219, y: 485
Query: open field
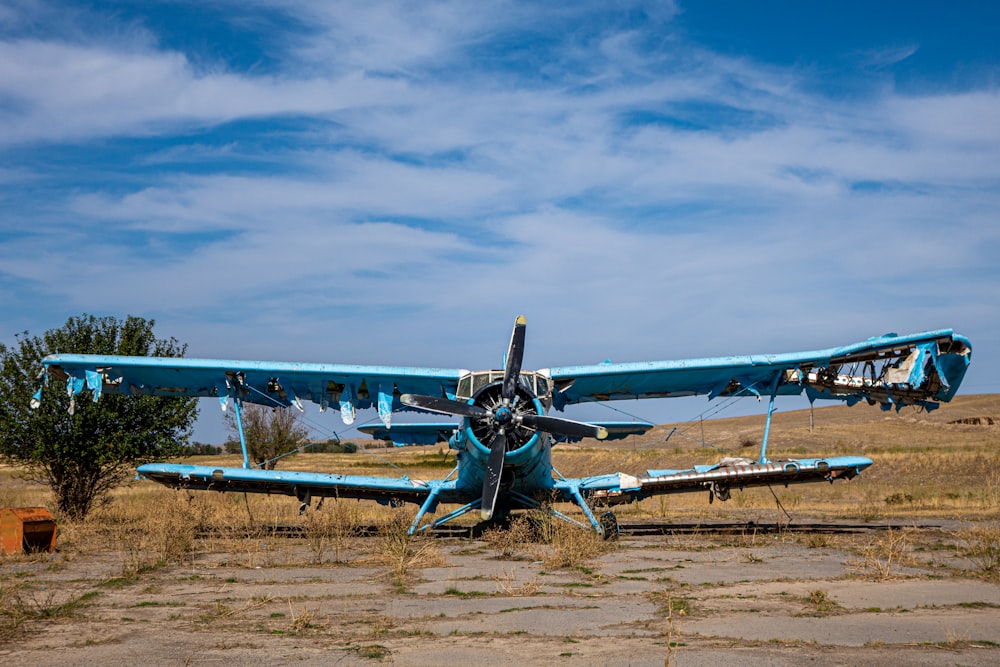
x: 165, y: 578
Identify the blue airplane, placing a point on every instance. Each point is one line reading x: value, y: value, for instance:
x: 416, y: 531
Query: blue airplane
x: 504, y: 438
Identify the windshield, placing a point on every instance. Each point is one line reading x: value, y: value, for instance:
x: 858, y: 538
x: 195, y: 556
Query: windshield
x: 530, y: 381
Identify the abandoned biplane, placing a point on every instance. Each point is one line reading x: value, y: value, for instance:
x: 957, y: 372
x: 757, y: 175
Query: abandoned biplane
x: 504, y: 437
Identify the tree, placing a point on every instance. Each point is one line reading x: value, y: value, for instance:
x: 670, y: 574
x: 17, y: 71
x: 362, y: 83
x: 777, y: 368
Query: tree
x: 202, y: 449
x: 332, y: 446
x: 84, y: 455
x: 269, y: 432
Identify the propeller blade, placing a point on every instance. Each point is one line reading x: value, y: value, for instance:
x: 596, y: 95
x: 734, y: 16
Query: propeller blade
x: 442, y: 405
x: 515, y: 352
x: 491, y: 481
x: 568, y: 427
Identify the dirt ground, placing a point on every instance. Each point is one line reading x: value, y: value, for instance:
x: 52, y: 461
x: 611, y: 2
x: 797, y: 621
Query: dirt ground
x: 798, y: 596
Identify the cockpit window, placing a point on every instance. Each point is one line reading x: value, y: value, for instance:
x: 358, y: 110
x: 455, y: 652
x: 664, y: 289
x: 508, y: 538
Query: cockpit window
x: 479, y: 380
x: 465, y: 387
x: 529, y: 381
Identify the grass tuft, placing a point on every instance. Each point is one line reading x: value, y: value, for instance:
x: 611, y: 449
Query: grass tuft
x: 566, y: 546
x: 508, y: 542
x: 400, y: 552
x: 336, y: 526
x: 882, y: 554
x: 982, y: 546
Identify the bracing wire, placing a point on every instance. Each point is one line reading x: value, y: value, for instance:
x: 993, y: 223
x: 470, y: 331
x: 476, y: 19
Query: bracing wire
x: 680, y: 431
x: 316, y: 428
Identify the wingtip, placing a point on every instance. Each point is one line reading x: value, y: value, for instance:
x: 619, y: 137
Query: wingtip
x: 520, y: 321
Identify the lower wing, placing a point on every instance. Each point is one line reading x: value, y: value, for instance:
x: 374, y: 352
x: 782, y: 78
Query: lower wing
x: 303, y: 485
x: 718, y: 479
x: 420, y: 433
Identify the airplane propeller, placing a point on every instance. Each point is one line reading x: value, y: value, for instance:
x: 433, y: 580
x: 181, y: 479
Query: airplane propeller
x: 444, y: 406
x: 503, y: 418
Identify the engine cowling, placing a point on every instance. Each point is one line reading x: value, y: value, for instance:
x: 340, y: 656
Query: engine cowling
x: 490, y: 398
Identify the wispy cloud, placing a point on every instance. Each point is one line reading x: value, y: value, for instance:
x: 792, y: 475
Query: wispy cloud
x: 424, y: 172
x: 886, y: 56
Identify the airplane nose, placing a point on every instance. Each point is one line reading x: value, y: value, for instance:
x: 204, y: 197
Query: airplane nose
x: 503, y: 415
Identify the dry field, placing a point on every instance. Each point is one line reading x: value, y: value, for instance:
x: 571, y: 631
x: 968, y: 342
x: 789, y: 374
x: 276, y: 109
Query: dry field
x: 167, y: 578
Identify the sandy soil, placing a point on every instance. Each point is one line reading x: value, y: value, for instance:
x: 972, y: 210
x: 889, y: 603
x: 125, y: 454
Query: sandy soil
x: 788, y: 598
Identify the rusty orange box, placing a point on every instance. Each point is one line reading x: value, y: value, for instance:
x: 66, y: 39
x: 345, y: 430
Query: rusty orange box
x: 27, y: 529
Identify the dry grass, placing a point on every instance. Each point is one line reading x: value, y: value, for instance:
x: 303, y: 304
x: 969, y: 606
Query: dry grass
x: 821, y: 602
x: 12, y: 615
x: 673, y: 610
x: 882, y: 554
x: 672, y: 630
x: 221, y: 611
x: 508, y: 585
x: 563, y: 545
x: 981, y: 545
x: 335, y: 526
x: 541, y: 536
x: 303, y: 620
x: 401, y: 553
x: 21, y: 603
x: 510, y: 542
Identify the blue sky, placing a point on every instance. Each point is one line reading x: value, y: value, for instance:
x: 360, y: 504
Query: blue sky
x: 393, y: 182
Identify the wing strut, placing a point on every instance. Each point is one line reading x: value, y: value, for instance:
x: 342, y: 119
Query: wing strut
x: 427, y: 506
x: 464, y: 509
x: 767, y: 424
x: 573, y: 486
x: 238, y: 411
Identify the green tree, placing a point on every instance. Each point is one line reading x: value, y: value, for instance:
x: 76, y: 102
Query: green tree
x: 84, y: 455
x: 332, y: 446
x: 269, y: 432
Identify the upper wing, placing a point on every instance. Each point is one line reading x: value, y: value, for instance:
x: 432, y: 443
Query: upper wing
x: 344, y: 387
x: 891, y: 370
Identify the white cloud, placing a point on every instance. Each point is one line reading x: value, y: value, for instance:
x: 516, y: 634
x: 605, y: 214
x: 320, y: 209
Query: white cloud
x: 59, y: 91
x: 437, y: 196
x: 960, y: 121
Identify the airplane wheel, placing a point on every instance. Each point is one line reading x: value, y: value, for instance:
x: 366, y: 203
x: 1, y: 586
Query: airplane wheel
x: 609, y: 523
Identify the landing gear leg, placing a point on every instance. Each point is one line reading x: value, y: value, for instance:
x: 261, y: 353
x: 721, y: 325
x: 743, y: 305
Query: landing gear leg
x: 305, y: 498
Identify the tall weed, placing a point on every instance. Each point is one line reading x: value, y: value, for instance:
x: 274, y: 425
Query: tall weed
x: 982, y: 546
x: 509, y: 542
x: 336, y: 526
x: 881, y: 555
x: 564, y: 545
x: 400, y: 552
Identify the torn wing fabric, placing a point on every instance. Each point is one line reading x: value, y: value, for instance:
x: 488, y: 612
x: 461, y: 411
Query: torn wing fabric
x: 891, y: 370
x: 345, y: 387
x: 719, y: 479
